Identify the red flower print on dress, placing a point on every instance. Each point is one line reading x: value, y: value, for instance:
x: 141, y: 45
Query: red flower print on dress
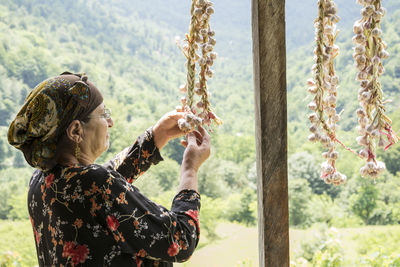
x: 49, y: 180
x: 37, y: 235
x: 138, y: 261
x: 173, y: 249
x: 78, y: 253
x: 68, y: 249
x: 112, y: 222
x: 194, y: 214
x: 35, y: 232
x: 145, y: 154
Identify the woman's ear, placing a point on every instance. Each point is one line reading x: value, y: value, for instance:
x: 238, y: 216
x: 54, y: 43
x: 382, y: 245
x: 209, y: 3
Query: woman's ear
x: 74, y: 131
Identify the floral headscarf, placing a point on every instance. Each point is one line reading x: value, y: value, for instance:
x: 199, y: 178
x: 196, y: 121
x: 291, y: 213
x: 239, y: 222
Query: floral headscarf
x: 47, y: 112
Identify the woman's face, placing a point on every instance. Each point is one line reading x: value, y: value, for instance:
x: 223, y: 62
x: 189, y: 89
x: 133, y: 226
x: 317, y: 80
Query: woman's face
x: 96, y: 138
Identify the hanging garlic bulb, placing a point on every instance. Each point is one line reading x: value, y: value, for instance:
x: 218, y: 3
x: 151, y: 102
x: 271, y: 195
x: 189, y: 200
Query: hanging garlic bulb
x: 369, y: 51
x: 323, y: 87
x: 200, y: 37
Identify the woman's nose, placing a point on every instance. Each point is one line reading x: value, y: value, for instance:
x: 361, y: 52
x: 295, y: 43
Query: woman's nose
x: 110, y: 122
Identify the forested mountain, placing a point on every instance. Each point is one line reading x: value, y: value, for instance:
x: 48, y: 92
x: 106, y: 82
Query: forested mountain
x: 128, y: 49
x: 300, y: 60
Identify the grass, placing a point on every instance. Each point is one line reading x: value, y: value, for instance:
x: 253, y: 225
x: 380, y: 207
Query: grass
x: 17, y: 237
x: 237, y: 246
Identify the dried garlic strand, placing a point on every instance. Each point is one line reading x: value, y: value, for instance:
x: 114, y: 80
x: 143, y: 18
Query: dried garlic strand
x: 200, y: 37
x: 323, y: 86
x: 369, y: 51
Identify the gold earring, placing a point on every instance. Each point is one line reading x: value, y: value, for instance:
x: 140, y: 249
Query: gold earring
x: 77, y: 151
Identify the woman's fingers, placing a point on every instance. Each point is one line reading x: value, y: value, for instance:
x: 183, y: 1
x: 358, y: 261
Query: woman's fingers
x: 201, y: 136
x: 205, y: 135
x: 179, y: 109
x: 176, y: 115
x: 191, y: 138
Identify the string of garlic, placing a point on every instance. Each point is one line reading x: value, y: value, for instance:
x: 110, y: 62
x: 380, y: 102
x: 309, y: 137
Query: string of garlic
x: 369, y: 51
x: 200, y: 37
x: 323, y: 86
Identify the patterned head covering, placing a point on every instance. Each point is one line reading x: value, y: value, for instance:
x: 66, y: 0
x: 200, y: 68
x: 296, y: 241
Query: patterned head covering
x: 47, y: 112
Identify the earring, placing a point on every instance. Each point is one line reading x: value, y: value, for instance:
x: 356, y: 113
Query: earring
x: 77, y: 151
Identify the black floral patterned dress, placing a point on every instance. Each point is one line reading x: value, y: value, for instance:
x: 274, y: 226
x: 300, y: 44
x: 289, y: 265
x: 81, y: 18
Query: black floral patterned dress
x: 93, y: 216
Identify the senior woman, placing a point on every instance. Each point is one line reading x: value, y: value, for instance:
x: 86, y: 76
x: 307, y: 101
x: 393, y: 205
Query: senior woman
x: 87, y: 214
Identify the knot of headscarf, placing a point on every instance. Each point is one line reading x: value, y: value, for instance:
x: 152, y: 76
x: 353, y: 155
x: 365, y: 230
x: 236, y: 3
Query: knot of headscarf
x: 47, y: 112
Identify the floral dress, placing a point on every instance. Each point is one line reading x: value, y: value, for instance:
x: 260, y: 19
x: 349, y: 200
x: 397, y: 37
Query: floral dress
x: 93, y: 216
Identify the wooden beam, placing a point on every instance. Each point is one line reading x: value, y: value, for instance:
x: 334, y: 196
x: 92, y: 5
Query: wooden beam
x: 269, y: 59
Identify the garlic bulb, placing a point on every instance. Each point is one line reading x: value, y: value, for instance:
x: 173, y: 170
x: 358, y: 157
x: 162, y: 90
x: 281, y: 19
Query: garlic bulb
x: 369, y: 52
x: 200, y: 37
x: 323, y: 87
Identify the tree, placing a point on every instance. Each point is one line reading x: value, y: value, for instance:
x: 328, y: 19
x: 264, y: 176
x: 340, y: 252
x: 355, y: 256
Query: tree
x: 365, y: 201
x: 174, y: 150
x: 166, y: 173
x: 244, y: 213
x: 18, y: 206
x: 299, y: 196
x: 2, y: 152
x: 391, y: 159
x: 303, y: 165
x: 19, y: 160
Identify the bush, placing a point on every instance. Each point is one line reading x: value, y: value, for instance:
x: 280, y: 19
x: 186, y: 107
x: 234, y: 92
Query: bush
x: 379, y: 259
x: 13, y: 189
x: 324, y: 250
x: 322, y: 209
x: 9, y: 258
x: 299, y: 196
x: 364, y: 202
x: 242, y: 207
x: 384, y: 240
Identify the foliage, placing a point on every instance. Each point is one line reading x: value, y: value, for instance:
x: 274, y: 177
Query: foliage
x: 379, y: 259
x: 327, y: 249
x: 13, y: 188
x: 323, y: 209
x: 391, y: 159
x: 17, y: 243
x: 242, y: 208
x: 10, y: 258
x: 382, y: 243
x: 127, y: 49
x: 210, y: 215
x: 364, y: 202
x: 166, y: 173
x: 303, y: 165
x: 324, y: 250
x: 19, y: 210
x: 299, y: 195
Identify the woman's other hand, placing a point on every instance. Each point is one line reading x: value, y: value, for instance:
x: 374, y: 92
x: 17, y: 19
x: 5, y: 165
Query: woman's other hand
x: 197, y: 151
x: 167, y: 128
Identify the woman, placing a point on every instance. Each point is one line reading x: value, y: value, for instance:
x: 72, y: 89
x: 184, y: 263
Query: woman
x: 86, y: 214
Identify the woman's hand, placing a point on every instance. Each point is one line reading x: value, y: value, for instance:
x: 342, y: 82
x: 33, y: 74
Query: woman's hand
x: 197, y: 149
x: 196, y: 152
x: 167, y: 128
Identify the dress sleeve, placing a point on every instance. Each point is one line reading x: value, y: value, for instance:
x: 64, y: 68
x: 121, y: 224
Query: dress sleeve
x: 137, y: 158
x: 143, y: 228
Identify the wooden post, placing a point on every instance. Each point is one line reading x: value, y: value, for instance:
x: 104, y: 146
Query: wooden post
x: 269, y: 59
